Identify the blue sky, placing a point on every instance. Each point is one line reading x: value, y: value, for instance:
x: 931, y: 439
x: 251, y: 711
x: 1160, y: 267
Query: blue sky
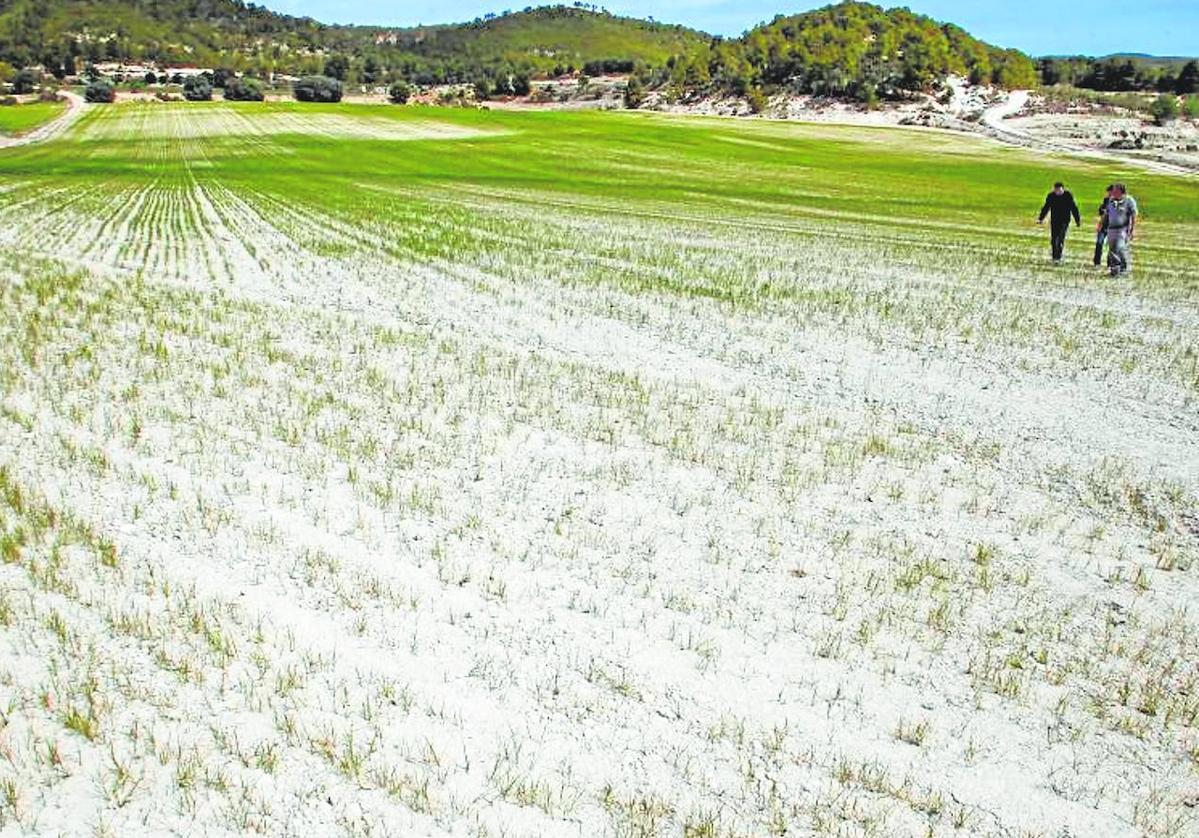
x: 1096, y: 27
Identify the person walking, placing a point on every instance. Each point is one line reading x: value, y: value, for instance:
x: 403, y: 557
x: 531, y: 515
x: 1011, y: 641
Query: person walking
x: 1101, y: 226
x: 1060, y: 207
x: 1121, y: 217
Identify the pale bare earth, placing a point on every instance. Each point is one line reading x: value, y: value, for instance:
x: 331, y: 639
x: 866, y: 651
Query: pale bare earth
x: 1173, y: 147
x: 507, y: 543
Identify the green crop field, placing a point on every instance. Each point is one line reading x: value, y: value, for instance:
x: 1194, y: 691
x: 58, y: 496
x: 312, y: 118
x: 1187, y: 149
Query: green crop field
x: 21, y: 119
x: 391, y: 471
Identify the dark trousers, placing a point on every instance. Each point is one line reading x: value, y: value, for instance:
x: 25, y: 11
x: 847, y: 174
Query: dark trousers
x: 1057, y: 239
x: 1100, y: 241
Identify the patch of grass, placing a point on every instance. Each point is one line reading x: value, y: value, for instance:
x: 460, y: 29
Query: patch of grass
x: 16, y: 120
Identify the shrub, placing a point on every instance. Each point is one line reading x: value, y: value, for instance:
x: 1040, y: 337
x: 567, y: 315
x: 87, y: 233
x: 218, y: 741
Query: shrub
x: 9, y: 101
x: 1164, y: 108
x: 399, y: 92
x: 100, y: 90
x: 243, y: 90
x: 197, y: 89
x: 1190, y: 107
x: 151, y: 77
x: 317, y: 89
x: 634, y: 93
x: 26, y: 81
x: 756, y: 99
x: 483, y: 88
x: 1188, y: 78
x: 48, y: 94
x: 337, y: 66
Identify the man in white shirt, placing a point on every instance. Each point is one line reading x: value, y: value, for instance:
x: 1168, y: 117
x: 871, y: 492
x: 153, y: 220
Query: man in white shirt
x: 1121, y: 226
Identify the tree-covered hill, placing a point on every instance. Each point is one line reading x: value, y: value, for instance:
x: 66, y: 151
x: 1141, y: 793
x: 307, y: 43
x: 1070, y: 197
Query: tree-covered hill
x: 850, y: 49
x: 552, y: 39
x: 68, y: 34
x: 56, y: 32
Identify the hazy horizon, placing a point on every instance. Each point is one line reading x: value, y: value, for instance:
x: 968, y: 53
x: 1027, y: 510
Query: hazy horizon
x: 1068, y: 27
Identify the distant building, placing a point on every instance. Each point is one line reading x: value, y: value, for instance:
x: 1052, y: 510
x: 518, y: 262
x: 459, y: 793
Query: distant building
x: 121, y: 71
x: 185, y: 70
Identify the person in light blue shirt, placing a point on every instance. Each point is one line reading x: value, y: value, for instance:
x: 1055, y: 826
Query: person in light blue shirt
x: 1121, y: 227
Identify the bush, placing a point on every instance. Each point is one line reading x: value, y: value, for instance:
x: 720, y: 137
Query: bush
x: 1164, y: 108
x: 756, y: 99
x: 336, y: 67
x: 317, y: 89
x: 48, y: 94
x: 26, y: 81
x: 399, y: 92
x: 243, y: 90
x: 1190, y: 107
x: 1188, y: 78
x: 197, y: 89
x: 634, y: 93
x: 9, y: 101
x: 100, y: 90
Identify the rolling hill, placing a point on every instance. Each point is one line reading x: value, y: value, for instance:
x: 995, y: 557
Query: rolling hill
x: 70, y: 33
x: 850, y: 49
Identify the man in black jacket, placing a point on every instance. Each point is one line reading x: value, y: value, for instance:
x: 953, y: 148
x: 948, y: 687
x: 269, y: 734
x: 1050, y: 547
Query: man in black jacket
x: 1059, y: 206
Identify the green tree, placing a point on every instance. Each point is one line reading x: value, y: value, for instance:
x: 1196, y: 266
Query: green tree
x: 634, y: 93
x: 243, y: 89
x: 336, y: 66
x: 756, y: 99
x: 399, y: 92
x: 371, y: 71
x: 1188, y: 78
x: 317, y: 89
x: 1164, y: 108
x: 197, y: 89
x: 100, y: 90
x: 26, y: 81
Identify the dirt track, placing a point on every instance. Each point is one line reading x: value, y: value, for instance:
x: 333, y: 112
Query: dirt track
x: 994, y: 126
x: 75, y: 108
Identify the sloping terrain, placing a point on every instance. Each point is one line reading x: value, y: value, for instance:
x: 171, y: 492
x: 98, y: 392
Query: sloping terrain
x: 850, y: 49
x: 588, y: 474
x: 549, y: 36
x: 248, y: 36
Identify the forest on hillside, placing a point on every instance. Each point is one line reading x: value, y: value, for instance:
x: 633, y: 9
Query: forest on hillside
x: 852, y: 50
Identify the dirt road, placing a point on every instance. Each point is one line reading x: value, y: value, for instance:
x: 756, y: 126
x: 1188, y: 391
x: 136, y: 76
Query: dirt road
x: 75, y: 109
x: 994, y: 125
